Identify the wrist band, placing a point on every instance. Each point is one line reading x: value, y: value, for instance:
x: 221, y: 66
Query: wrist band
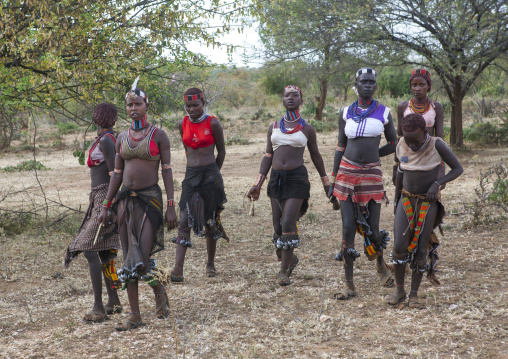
x: 325, y: 180
x: 340, y: 147
x: 437, y: 183
x: 171, y: 203
x: 259, y: 180
x: 166, y: 167
x: 118, y: 170
x: 269, y: 155
x: 106, y: 203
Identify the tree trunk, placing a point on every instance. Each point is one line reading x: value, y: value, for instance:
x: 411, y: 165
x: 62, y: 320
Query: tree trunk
x: 346, y: 88
x: 456, y: 133
x: 323, y: 89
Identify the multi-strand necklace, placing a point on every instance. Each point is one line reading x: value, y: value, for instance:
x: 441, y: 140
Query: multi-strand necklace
x: 358, y: 114
x: 417, y: 108
x: 292, y: 117
x: 199, y: 119
x: 145, y: 133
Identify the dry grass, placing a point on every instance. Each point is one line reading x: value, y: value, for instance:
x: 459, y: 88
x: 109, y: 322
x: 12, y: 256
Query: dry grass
x: 243, y: 313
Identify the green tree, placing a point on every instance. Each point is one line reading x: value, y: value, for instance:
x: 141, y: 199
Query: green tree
x: 458, y: 39
x: 310, y: 30
x: 56, y: 51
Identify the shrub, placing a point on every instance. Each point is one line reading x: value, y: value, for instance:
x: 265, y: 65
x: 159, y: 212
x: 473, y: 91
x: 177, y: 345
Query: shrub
x: 487, y: 132
x: 28, y: 165
x: 67, y: 127
x: 322, y: 126
x: 237, y: 140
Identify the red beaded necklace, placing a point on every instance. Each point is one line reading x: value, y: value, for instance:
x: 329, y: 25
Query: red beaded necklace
x: 417, y: 108
x: 147, y: 130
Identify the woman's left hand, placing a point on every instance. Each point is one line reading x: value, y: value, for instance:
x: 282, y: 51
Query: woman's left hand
x: 171, y: 219
x: 432, y: 192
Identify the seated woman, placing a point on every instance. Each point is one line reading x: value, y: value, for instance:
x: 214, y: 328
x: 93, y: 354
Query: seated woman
x: 100, y: 253
x: 203, y: 195
x: 359, y: 180
x: 432, y: 112
x: 139, y: 151
x: 289, y: 186
x: 419, y: 209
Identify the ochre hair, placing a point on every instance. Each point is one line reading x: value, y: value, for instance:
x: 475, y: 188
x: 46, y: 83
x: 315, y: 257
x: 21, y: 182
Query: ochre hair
x: 105, y: 115
x: 192, y: 91
x: 422, y: 73
x: 413, y: 122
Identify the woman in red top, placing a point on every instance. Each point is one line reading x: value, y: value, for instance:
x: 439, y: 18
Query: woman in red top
x: 203, y: 193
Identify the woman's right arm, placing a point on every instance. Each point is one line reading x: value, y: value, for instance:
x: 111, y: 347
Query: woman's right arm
x: 266, y: 164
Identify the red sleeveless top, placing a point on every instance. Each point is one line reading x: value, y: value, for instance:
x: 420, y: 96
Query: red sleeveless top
x: 196, y: 135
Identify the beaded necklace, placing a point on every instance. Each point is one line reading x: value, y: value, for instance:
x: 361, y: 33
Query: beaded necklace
x: 301, y: 122
x: 358, y: 114
x: 417, y: 108
x: 200, y: 119
x: 427, y: 138
x: 292, y: 116
x: 146, y: 132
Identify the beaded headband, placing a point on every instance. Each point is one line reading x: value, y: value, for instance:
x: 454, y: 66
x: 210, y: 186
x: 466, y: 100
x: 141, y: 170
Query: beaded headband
x: 293, y: 88
x: 365, y: 70
x: 421, y: 73
x: 198, y: 96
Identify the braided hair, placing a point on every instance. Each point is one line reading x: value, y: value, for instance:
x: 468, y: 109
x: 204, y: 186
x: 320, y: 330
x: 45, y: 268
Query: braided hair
x: 105, y: 115
x: 413, y: 122
x: 422, y: 73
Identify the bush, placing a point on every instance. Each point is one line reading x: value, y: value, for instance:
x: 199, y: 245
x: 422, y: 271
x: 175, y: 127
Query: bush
x: 15, y: 223
x: 67, y: 127
x: 28, y: 165
x: 237, y: 140
x: 487, y: 133
x: 322, y: 126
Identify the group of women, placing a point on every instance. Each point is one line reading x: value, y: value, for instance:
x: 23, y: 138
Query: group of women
x: 133, y: 214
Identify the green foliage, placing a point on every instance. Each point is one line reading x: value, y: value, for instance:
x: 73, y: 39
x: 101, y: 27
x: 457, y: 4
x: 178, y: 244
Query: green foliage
x: 487, y: 133
x: 67, y: 127
x: 14, y: 223
x: 323, y: 126
x: 500, y: 193
x: 275, y: 81
x: 391, y: 81
x: 27, y: 165
x: 237, y: 140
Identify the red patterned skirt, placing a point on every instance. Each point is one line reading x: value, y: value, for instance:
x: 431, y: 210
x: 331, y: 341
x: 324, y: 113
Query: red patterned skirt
x: 362, y: 182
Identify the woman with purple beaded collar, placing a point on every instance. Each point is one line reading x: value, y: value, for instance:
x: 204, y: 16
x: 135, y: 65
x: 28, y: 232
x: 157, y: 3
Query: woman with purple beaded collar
x: 358, y: 178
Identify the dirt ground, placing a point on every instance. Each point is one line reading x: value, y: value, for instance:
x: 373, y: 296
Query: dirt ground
x: 243, y: 313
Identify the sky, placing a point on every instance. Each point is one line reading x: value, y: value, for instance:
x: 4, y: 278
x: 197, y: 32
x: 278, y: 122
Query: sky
x: 248, y: 42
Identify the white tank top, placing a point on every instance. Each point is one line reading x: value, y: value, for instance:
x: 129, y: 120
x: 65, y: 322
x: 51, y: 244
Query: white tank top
x: 297, y: 139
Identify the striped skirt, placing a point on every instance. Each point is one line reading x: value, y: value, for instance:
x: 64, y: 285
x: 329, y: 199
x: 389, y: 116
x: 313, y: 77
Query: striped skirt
x: 108, y: 236
x: 362, y: 182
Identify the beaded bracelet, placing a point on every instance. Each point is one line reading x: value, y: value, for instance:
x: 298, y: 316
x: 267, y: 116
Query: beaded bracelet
x: 118, y: 170
x: 106, y: 203
x: 325, y: 181
x: 166, y: 167
x: 171, y: 203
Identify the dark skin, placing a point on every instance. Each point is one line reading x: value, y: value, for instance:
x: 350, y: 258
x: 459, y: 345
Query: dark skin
x: 100, y: 175
x: 418, y: 182
x: 420, y: 88
x: 287, y: 158
x: 139, y: 174
x: 198, y: 157
x: 362, y: 150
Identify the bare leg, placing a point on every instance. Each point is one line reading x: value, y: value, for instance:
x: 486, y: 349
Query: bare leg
x: 181, y: 250
x: 400, y: 243
x: 277, y: 226
x: 211, y: 246
x: 421, y: 255
x: 94, y: 264
x: 348, y: 239
x: 113, y: 299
